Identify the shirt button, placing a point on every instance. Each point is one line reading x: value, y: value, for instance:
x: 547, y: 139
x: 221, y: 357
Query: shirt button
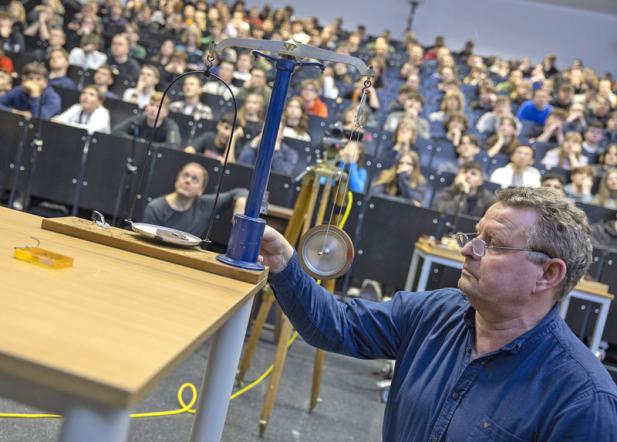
x: 486, y: 425
x: 456, y: 395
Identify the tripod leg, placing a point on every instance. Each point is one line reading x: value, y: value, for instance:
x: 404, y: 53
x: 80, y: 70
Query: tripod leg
x: 317, y: 369
x: 267, y: 300
x: 319, y: 360
x: 275, y: 378
x: 294, y: 226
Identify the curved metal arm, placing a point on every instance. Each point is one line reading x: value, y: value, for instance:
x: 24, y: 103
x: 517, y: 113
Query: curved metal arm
x: 294, y: 49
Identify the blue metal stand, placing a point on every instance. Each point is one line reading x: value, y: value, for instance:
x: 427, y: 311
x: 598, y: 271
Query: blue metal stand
x: 247, y: 232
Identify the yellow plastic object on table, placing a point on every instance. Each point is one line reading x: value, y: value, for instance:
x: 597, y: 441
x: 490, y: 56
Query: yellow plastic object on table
x: 43, y: 257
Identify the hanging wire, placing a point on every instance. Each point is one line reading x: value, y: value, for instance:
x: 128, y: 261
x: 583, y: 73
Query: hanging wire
x: 207, y: 73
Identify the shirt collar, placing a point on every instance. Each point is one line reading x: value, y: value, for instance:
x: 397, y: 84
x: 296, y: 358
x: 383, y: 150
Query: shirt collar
x: 544, y: 327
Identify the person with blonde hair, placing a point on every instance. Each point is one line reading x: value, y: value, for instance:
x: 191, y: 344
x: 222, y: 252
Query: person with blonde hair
x: 404, y: 179
x: 607, y: 192
x: 568, y: 155
x: 295, y: 121
x: 452, y: 103
x: 404, y: 141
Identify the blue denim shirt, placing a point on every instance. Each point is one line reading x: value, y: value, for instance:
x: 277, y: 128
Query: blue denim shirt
x: 543, y: 386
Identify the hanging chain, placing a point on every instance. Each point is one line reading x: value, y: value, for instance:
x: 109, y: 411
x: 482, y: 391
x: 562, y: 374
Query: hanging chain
x: 355, y: 133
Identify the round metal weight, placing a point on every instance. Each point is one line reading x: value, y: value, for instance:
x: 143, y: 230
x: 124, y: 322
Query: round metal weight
x: 325, y: 252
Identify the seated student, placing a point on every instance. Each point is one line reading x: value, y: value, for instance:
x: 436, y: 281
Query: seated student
x: 607, y: 192
x: 575, y: 118
x: 404, y: 141
x: 244, y: 64
x: 466, y: 196
x: 33, y: 97
x: 504, y: 141
x: 452, y: 102
x: 6, y: 82
x: 564, y: 98
x: 146, y: 85
x: 351, y: 159
x: 413, y: 105
x: 604, y: 233
x: 488, y: 123
x: 553, y: 130
x: 186, y: 208
x: 88, y: 114
x: 58, y: 68
x: 104, y: 79
x: 519, y: 171
x: 607, y: 160
x: 171, y: 69
x: 579, y: 189
x: 536, y: 110
x: 215, y: 87
x: 191, y: 104
x: 127, y: 67
x: 555, y: 182
x: 295, y: 121
x: 284, y: 158
x: 568, y: 155
x: 600, y: 109
x: 466, y: 151
x: 404, y: 179
x: 592, y: 141
x: 252, y: 112
x: 256, y: 84
x: 486, y: 98
x: 313, y: 105
x: 11, y: 39
x: 455, y: 127
x: 166, y: 133
x: 214, y: 144
x: 87, y: 55
x: 398, y: 105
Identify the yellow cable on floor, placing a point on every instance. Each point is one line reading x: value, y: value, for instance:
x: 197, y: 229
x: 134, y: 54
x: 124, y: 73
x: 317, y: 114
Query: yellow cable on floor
x: 184, y: 407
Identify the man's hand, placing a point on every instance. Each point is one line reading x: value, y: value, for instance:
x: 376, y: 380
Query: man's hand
x: 461, y: 182
x: 275, y: 251
x: 32, y: 88
x: 239, y: 205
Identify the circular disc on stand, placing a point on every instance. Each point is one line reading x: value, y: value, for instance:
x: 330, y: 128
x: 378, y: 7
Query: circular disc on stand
x: 325, y: 252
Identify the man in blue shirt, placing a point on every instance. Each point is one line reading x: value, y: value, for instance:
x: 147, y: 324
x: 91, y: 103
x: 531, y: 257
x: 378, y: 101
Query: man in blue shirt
x: 536, y: 110
x: 492, y: 360
x: 33, y: 97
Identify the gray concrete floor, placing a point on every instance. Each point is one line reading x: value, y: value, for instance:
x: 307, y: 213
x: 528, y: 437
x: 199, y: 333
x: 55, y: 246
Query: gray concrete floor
x: 350, y: 411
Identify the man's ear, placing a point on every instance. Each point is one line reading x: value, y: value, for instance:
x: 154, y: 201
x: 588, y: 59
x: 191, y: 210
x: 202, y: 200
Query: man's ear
x: 552, y: 274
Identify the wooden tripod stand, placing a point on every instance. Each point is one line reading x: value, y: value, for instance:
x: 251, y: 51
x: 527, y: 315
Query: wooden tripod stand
x: 299, y: 223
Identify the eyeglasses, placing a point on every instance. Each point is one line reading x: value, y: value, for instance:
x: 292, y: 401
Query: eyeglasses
x: 479, y: 246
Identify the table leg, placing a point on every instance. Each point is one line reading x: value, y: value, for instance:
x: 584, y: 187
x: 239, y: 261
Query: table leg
x: 94, y: 424
x: 219, y: 378
x: 426, y: 268
x: 598, y: 329
x: 413, y: 269
x: 563, y: 308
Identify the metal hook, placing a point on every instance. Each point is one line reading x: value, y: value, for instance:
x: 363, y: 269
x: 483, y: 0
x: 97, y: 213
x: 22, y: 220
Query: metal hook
x: 38, y: 243
x: 99, y: 219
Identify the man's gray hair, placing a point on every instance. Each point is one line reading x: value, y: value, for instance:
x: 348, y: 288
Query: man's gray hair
x: 562, y: 230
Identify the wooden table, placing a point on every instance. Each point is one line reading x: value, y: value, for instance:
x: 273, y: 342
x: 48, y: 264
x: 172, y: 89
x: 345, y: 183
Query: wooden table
x: 90, y: 341
x: 586, y: 290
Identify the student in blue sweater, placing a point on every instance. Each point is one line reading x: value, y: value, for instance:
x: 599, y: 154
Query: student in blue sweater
x: 536, y: 110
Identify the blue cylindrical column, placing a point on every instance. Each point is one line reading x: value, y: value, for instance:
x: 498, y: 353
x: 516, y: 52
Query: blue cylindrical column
x: 246, y: 234
x: 259, y: 179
